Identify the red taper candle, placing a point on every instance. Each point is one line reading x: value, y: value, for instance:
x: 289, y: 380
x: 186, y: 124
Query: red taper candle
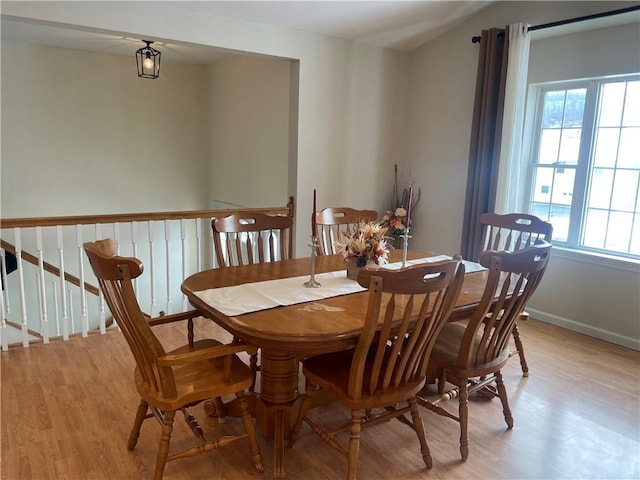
x: 314, y: 225
x: 409, y: 206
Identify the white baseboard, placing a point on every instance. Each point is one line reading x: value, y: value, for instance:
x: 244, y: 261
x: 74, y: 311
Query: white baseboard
x: 623, y: 341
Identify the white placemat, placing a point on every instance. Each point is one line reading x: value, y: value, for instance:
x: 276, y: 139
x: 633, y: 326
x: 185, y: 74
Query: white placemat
x: 252, y: 297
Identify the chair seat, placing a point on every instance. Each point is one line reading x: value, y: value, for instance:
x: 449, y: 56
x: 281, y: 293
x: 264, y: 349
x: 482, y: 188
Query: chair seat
x: 448, y: 342
x: 331, y: 371
x: 198, y: 380
x: 445, y: 353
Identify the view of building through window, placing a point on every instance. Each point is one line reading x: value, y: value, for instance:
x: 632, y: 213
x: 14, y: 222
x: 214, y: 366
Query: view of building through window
x: 585, y: 176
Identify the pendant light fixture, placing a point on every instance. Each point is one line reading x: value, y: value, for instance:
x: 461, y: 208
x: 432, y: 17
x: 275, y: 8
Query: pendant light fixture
x: 148, y: 61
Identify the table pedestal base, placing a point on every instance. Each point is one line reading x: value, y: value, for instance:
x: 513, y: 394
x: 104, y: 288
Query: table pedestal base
x: 278, y: 393
x: 275, y: 406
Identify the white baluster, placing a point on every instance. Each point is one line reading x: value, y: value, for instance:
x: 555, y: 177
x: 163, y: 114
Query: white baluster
x: 103, y: 314
x: 54, y: 286
x: 199, y: 244
x: 63, y: 296
x: 183, y: 236
x: 167, y: 240
x: 116, y: 237
x: 72, y: 311
x: 83, y: 297
x: 36, y: 273
x: 44, y: 319
x: 21, y: 292
x: 102, y: 317
x: 154, y: 311
x: 134, y: 244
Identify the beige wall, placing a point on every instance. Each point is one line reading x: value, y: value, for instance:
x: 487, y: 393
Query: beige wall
x: 82, y: 134
x: 248, y: 131
x: 196, y: 134
x: 604, y: 51
x: 442, y: 81
x: 600, y: 299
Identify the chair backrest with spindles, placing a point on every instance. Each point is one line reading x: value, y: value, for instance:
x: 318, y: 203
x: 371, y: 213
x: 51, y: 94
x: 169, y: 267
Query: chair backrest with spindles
x: 513, y: 231
x: 331, y: 221
x: 411, y: 305
x: 512, y: 278
x: 246, y: 238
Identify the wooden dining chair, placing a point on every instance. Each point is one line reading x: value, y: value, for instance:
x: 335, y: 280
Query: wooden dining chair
x: 247, y: 238
x: 406, y: 310
x: 471, y: 356
x: 512, y: 232
x: 331, y: 221
x: 252, y: 237
x: 171, y: 381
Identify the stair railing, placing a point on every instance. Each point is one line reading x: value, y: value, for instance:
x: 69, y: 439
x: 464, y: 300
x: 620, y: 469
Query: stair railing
x: 47, y: 296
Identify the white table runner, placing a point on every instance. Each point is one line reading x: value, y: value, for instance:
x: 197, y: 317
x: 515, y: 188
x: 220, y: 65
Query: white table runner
x: 252, y: 297
x: 470, y: 267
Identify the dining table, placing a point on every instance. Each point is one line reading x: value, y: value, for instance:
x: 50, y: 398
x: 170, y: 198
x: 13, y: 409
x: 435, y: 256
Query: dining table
x: 267, y: 305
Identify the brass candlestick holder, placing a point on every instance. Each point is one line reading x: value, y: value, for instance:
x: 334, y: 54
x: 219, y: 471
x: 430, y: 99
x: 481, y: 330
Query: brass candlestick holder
x: 312, y: 283
x: 405, y: 246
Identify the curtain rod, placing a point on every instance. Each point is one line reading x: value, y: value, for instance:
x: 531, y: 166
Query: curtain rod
x: 476, y: 39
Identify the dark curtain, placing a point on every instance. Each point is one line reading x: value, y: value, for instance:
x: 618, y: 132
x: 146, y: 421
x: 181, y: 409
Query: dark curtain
x: 486, y: 132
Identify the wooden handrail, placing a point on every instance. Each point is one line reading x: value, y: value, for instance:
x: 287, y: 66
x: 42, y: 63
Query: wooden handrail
x: 119, y: 218
x: 140, y: 217
x: 32, y: 259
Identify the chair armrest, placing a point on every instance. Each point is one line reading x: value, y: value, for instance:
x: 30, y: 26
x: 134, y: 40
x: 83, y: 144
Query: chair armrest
x: 173, y: 360
x: 174, y: 317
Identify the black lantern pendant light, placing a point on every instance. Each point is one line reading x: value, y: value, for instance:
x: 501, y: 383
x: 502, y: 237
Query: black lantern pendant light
x: 148, y: 61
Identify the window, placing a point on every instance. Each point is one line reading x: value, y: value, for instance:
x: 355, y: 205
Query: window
x: 585, y: 163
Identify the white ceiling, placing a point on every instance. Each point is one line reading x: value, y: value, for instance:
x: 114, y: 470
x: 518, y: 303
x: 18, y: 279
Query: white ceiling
x: 402, y: 25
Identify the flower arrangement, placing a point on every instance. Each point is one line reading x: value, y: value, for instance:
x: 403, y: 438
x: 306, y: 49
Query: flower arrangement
x: 395, y: 219
x: 366, y: 244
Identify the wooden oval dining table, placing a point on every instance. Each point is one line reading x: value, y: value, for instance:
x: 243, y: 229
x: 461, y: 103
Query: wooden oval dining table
x: 286, y: 334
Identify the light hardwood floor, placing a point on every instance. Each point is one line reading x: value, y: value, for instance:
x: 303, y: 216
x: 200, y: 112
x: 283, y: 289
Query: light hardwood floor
x: 67, y: 409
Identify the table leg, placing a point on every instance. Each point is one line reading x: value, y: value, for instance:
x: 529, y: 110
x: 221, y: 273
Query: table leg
x: 278, y: 392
